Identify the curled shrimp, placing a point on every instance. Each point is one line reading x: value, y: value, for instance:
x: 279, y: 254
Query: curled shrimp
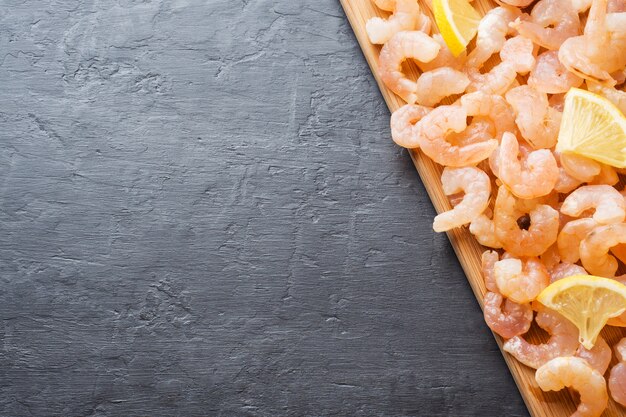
x: 550, y: 76
x: 566, y: 183
x: 484, y: 230
x: 612, y: 94
x: 594, y: 249
x: 551, y: 258
x: 598, y: 52
x: 435, y: 85
x: 521, y: 281
x: 537, y: 121
x: 534, y: 176
x: 403, y: 123
x: 488, y: 260
x: 491, y: 106
x: 575, y: 373
x: 607, y: 176
x: 570, y: 237
x: 439, y: 123
x: 550, y: 23
x: 608, y: 203
x: 405, y: 17
x: 477, y: 188
x: 517, y: 58
x: 580, y: 167
x: 617, y: 377
x: 403, y: 45
x: 492, y: 31
x: 480, y: 129
x: 505, y: 317
x: 564, y: 270
x: 598, y: 357
x: 444, y: 57
x: 539, y: 236
x: 563, y: 341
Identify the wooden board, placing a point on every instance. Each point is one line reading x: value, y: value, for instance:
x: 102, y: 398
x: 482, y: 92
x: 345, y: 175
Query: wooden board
x: 539, y: 403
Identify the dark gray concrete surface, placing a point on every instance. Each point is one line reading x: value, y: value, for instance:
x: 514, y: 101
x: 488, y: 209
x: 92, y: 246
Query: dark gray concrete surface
x: 202, y: 214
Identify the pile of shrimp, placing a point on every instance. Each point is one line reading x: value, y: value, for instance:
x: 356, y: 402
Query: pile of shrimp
x: 544, y: 215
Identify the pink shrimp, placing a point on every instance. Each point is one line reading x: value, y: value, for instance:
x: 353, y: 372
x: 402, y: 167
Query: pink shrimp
x: 550, y: 76
x: 492, y: 31
x: 492, y: 107
x: 563, y: 341
x: 580, y: 167
x: 405, y: 17
x: 537, y: 121
x: 570, y: 237
x: 432, y: 138
x: 435, y: 85
x: 505, y: 317
x: 598, y: 357
x: 403, y: 45
x: 617, y: 377
x: 594, y: 249
x: 608, y: 203
x: 564, y: 270
x: 521, y: 281
x: 550, y: 23
x: 484, y: 230
x: 403, y: 123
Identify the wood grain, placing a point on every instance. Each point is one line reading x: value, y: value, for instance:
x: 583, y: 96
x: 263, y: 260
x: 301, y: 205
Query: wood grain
x: 539, y: 403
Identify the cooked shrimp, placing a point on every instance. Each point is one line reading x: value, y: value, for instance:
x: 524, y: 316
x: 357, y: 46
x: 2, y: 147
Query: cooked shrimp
x: 617, y: 377
x: 579, y: 167
x: 491, y: 106
x: 577, y: 374
x: 505, y: 317
x: 551, y: 258
x: 444, y: 57
x: 517, y: 57
x: 484, y: 230
x: 492, y: 31
x: 594, y: 249
x: 563, y: 340
x: 598, y: 52
x: 534, y: 177
x: 550, y: 76
x: 488, y: 260
x: 521, y: 281
x: 566, y: 183
x: 477, y: 188
x: 570, y: 237
x: 403, y: 123
x: 403, y: 45
x: 616, y: 6
x: 515, y: 3
x: 607, y: 176
x: 433, y: 86
x: 537, y: 121
x: 612, y: 94
x: 432, y: 138
x: 620, y: 252
x: 480, y: 129
x: 550, y: 23
x: 405, y: 17
x: 608, y: 203
x: 541, y: 234
x: 564, y: 270
x: 598, y: 357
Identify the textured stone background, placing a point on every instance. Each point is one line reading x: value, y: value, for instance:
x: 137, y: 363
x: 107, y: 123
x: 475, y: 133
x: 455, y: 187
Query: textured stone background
x: 201, y: 214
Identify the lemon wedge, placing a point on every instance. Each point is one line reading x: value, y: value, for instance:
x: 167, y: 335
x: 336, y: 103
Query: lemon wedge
x: 593, y: 127
x: 587, y: 301
x: 457, y: 21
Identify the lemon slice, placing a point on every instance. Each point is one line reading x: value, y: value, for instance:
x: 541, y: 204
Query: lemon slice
x: 587, y: 301
x: 457, y: 21
x: 593, y: 127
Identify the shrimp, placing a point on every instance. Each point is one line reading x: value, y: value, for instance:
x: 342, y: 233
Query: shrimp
x: 534, y: 177
x: 540, y: 235
x: 491, y: 106
x: 484, y: 230
x: 488, y: 259
x: 550, y: 76
x: 566, y: 183
x: 577, y: 374
x: 433, y: 86
x: 563, y: 340
x: 515, y: 3
x: 598, y: 357
x: 432, y: 138
x: 444, y: 57
x: 521, y: 281
x: 612, y: 94
x: 550, y: 23
x: 579, y: 167
x: 617, y: 377
x: 517, y: 58
x: 607, y: 176
x: 479, y: 130
x: 403, y: 123
x: 537, y: 121
x: 477, y: 187
x: 581, y: 6
x: 492, y: 31
x: 619, y: 252
x: 403, y: 45
x: 616, y: 6
x: 570, y: 237
x: 405, y: 17
x: 598, y: 52
x: 505, y: 317
x: 557, y: 101
x: 608, y: 203
x: 551, y: 258
x: 594, y: 249
x: 564, y: 270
